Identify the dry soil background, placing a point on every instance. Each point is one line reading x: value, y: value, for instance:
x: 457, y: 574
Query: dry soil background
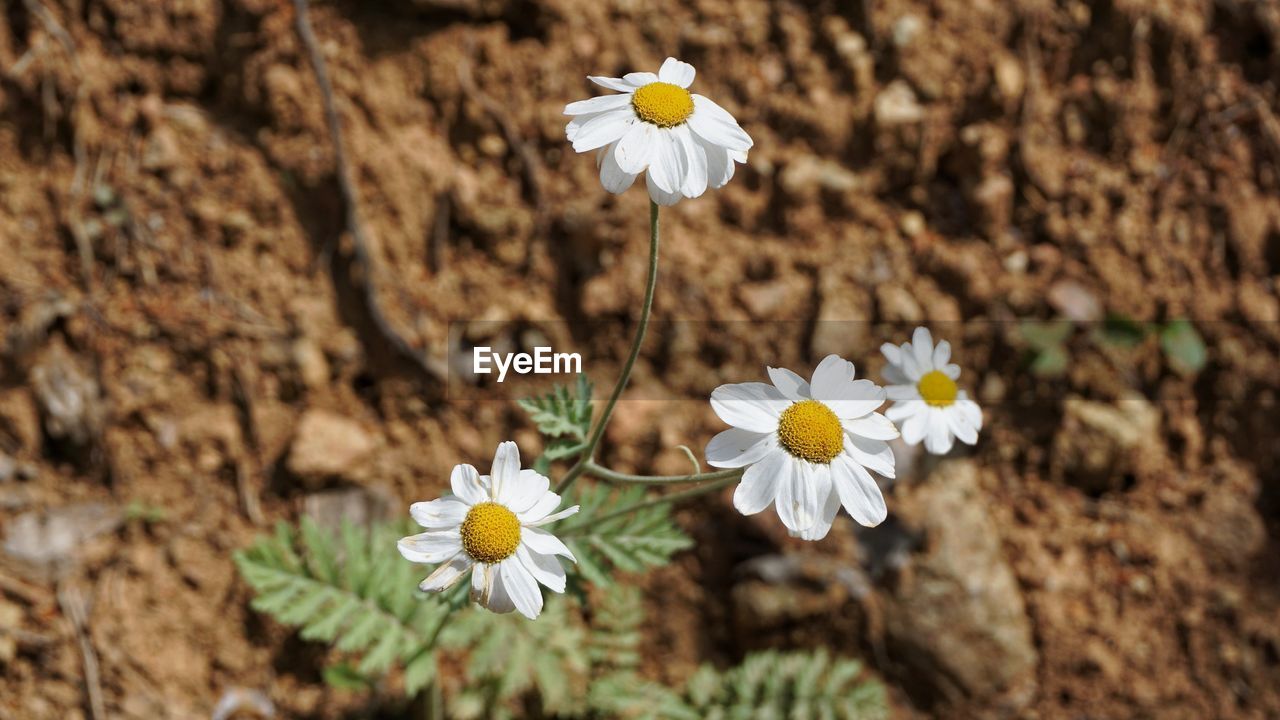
x: 190, y: 351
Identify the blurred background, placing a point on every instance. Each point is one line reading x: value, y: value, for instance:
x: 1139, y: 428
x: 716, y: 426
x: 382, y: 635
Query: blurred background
x: 200, y: 337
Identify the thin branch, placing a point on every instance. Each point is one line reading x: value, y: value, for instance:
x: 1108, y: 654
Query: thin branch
x: 346, y: 186
x: 73, y: 606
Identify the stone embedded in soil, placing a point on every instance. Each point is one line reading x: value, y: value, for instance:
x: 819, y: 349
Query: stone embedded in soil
x: 49, y: 538
x: 1101, y: 447
x: 359, y: 506
x: 955, y: 618
x: 327, y: 445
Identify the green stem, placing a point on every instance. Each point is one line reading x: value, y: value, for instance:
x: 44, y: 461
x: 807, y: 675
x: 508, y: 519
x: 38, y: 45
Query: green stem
x: 588, y: 453
x: 614, y: 476
x: 692, y: 492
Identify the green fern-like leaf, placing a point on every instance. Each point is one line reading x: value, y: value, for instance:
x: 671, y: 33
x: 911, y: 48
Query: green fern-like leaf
x: 563, y: 413
x: 508, y: 656
x: 783, y: 685
x: 353, y: 592
x: 631, y: 543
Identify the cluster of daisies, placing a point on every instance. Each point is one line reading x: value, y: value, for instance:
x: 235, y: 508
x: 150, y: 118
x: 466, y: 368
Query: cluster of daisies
x: 807, y: 448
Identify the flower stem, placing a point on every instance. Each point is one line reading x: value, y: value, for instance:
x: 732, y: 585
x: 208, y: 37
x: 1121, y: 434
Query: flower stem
x: 614, y: 476
x: 692, y: 492
x: 588, y: 453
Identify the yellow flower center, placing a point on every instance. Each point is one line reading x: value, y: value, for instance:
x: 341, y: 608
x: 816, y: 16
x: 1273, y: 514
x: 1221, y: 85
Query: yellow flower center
x: 662, y: 104
x: 490, y: 533
x: 810, y: 431
x: 937, y: 389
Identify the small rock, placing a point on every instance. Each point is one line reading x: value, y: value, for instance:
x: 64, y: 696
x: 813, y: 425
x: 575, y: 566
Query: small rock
x: 956, y: 616
x: 68, y: 397
x: 359, y: 506
x: 327, y: 445
x: 53, y: 537
x: 311, y: 363
x: 897, y: 105
x: 1099, y: 444
x: 1075, y: 301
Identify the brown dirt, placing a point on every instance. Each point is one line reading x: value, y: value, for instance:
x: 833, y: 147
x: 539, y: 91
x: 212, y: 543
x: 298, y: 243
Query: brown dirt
x: 965, y: 163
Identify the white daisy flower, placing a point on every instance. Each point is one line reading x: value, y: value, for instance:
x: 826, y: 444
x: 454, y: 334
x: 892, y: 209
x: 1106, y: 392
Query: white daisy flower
x: 491, y: 526
x: 684, y: 140
x: 807, y: 446
x: 927, y: 403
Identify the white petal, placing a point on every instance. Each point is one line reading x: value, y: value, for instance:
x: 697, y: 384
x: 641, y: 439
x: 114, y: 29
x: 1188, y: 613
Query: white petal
x: 922, y: 348
x: 797, y: 501
x: 612, y: 83
x: 639, y: 79
x: 971, y: 411
x: 597, y: 104
x: 496, y: 596
x: 872, y: 454
x: 753, y: 406
x: 854, y: 399
x: 735, y: 448
x: 447, y: 574
x: 941, y: 354
x: 695, y: 157
x: 666, y: 165
x: 603, y: 129
x: 715, y: 125
x: 873, y: 426
x: 466, y: 484
x: 541, y: 508
x: 541, y: 541
x: 915, y: 425
x: 951, y: 370
x: 480, y: 579
x: 439, y: 514
x: 658, y: 195
x: 829, y: 510
x: 937, y: 438
x: 893, y: 375
x: 506, y: 469
x: 830, y: 377
x: 759, y: 486
x: 903, y: 410
x: 960, y: 426
x: 899, y: 393
x: 637, y: 148
x: 612, y: 177
x: 910, y: 367
x: 719, y: 164
x: 529, y: 487
x: 553, y: 517
x: 789, y: 384
x: 677, y: 73
x: 546, y: 569
x: 891, y: 353
x: 859, y: 493
x: 573, y: 126
x: 521, y: 587
x: 430, y: 547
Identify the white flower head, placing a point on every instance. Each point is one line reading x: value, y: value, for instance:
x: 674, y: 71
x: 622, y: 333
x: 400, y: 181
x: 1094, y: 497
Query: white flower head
x: 807, y: 446
x: 685, y: 141
x: 928, y: 405
x: 491, y: 526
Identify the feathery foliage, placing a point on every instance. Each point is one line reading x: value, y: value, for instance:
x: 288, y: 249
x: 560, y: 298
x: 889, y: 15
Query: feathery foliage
x: 768, y: 685
x: 508, y: 656
x: 630, y: 542
x: 353, y: 592
x: 563, y: 416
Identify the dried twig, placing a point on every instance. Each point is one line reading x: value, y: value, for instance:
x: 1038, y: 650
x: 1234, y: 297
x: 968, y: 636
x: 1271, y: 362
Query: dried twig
x: 73, y: 606
x: 355, y: 223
